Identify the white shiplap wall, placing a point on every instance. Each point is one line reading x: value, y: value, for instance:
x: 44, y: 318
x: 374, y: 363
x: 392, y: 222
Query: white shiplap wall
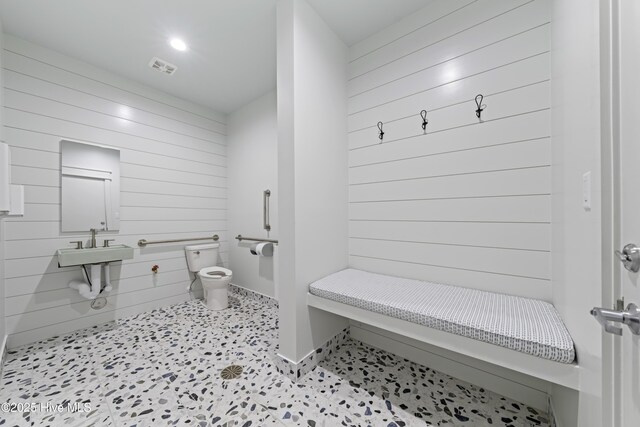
x: 252, y: 156
x: 173, y: 169
x: 2, y: 324
x: 467, y: 203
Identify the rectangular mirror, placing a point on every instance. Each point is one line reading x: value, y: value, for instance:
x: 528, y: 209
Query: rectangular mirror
x: 90, y: 194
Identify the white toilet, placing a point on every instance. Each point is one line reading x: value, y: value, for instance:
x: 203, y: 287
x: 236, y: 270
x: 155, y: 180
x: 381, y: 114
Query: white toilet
x: 215, y: 280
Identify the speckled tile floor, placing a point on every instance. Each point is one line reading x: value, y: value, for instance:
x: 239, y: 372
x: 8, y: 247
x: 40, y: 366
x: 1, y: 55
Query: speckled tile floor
x: 163, y: 368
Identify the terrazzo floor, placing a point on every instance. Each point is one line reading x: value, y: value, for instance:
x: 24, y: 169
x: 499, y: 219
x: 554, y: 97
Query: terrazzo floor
x: 163, y: 368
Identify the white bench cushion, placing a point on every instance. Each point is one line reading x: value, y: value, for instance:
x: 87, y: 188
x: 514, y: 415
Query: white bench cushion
x: 522, y: 324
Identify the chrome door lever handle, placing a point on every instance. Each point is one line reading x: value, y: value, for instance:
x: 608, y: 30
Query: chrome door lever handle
x: 629, y: 317
x: 604, y: 316
x: 622, y: 257
x: 630, y: 257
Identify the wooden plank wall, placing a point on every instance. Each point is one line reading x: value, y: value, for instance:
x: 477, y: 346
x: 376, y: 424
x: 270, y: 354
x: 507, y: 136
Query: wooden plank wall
x: 173, y: 169
x: 467, y: 203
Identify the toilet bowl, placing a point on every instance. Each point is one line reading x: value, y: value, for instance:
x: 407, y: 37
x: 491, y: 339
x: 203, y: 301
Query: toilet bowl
x: 201, y: 260
x: 215, y: 283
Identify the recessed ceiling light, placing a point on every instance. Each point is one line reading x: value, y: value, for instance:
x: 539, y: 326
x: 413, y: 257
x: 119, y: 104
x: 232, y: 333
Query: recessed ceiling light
x: 178, y: 44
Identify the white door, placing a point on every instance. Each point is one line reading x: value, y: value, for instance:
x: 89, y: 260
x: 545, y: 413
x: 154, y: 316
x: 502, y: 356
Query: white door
x: 84, y: 203
x: 628, y: 217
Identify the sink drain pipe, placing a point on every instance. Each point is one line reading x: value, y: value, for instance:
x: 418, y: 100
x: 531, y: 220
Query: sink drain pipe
x: 91, y: 288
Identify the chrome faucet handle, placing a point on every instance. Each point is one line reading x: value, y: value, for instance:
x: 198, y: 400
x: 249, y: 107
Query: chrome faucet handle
x: 105, y: 244
x: 78, y: 244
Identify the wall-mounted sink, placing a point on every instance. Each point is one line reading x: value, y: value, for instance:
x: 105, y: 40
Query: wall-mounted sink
x: 71, y: 257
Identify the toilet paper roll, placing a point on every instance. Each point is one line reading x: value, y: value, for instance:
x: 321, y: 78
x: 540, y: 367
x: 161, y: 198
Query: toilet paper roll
x: 262, y: 249
x: 254, y: 249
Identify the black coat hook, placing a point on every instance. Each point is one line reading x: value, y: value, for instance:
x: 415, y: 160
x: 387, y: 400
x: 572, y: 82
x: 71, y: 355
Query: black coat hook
x: 480, y: 106
x: 423, y: 114
x: 381, y: 132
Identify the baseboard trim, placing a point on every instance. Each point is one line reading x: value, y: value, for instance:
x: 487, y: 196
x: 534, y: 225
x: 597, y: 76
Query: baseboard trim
x: 249, y: 293
x: 564, y: 407
x: 296, y: 370
x: 553, y: 421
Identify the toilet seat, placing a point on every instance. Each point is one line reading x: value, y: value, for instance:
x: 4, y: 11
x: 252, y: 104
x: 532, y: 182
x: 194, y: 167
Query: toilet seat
x: 215, y: 284
x: 215, y: 273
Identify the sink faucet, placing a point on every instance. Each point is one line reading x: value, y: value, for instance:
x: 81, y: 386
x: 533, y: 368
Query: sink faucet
x: 93, y: 238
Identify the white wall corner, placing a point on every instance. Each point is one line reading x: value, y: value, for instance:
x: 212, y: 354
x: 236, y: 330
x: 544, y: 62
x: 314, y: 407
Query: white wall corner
x: 312, y: 134
x: 564, y: 407
x: 2, y: 223
x: 576, y: 121
x: 3, y: 353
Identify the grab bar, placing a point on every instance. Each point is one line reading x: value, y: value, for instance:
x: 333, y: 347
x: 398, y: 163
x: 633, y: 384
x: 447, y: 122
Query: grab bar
x: 143, y: 242
x: 266, y: 194
x: 253, y: 239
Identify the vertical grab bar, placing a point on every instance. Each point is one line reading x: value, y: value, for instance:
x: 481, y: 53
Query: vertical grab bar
x: 266, y: 194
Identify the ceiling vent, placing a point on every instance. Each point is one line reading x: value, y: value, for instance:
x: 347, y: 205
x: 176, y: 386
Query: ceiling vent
x: 162, y: 66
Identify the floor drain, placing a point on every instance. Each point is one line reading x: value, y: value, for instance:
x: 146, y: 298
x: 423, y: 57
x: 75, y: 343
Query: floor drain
x: 231, y: 372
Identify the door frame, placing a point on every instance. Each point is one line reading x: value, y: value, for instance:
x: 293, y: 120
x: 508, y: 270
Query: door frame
x: 611, y: 202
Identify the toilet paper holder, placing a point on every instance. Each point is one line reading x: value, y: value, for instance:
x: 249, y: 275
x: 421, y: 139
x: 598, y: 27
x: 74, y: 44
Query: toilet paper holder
x: 264, y: 249
x: 240, y: 238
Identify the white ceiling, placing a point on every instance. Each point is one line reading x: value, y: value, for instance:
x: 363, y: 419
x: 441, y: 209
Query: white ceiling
x: 232, y: 43
x: 355, y: 20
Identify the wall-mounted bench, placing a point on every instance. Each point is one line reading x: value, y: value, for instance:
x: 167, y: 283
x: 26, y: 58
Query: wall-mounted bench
x: 522, y: 334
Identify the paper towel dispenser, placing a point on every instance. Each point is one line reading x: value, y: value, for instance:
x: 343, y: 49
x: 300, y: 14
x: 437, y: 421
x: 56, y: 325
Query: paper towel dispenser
x: 5, y: 179
x: 11, y: 195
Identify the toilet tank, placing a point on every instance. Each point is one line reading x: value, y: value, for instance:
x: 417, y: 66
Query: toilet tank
x: 201, y: 256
